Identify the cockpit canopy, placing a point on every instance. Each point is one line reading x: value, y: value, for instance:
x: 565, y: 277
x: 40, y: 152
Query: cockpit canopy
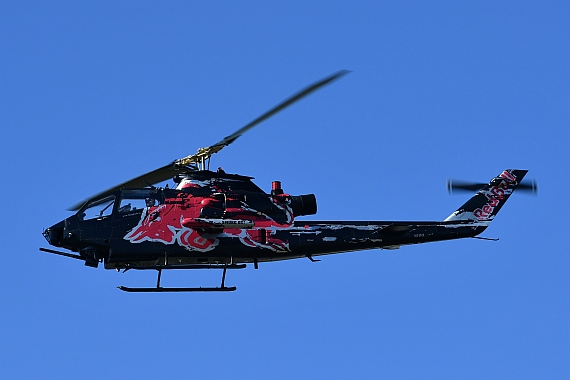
x: 130, y: 201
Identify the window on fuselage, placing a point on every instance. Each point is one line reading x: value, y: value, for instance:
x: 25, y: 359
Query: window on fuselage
x: 136, y: 200
x: 98, y: 209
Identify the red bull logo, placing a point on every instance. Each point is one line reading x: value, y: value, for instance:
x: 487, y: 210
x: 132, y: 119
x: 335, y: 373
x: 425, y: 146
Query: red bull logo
x: 495, y: 195
x: 164, y: 224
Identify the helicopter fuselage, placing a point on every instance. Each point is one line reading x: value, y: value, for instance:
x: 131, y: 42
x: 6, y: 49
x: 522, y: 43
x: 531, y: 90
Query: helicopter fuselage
x: 219, y: 218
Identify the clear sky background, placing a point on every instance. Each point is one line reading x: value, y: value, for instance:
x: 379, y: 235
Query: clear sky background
x: 94, y: 93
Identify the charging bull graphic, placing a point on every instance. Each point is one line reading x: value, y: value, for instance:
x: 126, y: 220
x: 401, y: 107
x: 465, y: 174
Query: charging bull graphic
x: 165, y: 224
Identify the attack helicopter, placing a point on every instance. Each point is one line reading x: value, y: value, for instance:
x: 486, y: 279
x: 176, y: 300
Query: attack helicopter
x: 217, y: 220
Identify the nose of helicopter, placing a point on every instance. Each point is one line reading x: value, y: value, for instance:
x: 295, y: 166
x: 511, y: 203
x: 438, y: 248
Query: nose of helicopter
x: 66, y: 234
x: 54, y: 234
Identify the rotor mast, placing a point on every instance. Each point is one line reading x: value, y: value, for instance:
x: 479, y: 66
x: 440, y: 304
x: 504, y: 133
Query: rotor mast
x: 201, y: 159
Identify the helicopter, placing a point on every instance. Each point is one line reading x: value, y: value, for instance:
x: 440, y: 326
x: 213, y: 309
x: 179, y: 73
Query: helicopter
x: 216, y: 220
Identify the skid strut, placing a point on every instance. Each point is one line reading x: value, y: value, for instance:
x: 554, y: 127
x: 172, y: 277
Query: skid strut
x: 158, y: 288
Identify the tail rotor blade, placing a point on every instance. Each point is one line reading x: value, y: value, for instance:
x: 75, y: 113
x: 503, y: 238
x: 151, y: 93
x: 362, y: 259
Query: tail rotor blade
x: 530, y: 186
x: 458, y: 185
x: 467, y: 186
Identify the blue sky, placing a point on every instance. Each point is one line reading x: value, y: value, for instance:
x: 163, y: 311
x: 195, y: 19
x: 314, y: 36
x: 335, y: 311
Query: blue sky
x: 97, y: 93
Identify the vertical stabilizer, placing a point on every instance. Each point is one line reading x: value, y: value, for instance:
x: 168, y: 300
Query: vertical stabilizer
x: 483, y: 207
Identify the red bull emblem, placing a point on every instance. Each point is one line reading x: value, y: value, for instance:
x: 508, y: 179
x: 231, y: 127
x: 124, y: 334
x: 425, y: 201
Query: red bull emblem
x: 161, y: 224
x: 164, y: 224
x: 495, y: 195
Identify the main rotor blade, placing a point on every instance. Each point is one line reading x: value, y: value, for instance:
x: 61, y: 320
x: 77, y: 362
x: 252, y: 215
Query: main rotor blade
x: 147, y: 179
x: 189, y: 162
x: 205, y: 153
x: 301, y: 94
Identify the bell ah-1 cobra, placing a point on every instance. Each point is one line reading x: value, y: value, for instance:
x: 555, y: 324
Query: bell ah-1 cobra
x: 213, y: 219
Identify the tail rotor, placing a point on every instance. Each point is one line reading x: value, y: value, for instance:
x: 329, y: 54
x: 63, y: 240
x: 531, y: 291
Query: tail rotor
x: 529, y: 186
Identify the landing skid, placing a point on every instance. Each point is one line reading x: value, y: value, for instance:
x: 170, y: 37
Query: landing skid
x: 159, y: 289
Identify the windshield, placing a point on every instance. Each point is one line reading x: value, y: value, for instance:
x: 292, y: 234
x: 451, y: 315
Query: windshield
x: 98, y: 209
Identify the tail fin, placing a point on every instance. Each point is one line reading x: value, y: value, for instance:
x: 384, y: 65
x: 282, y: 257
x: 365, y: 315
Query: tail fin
x: 482, y: 208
